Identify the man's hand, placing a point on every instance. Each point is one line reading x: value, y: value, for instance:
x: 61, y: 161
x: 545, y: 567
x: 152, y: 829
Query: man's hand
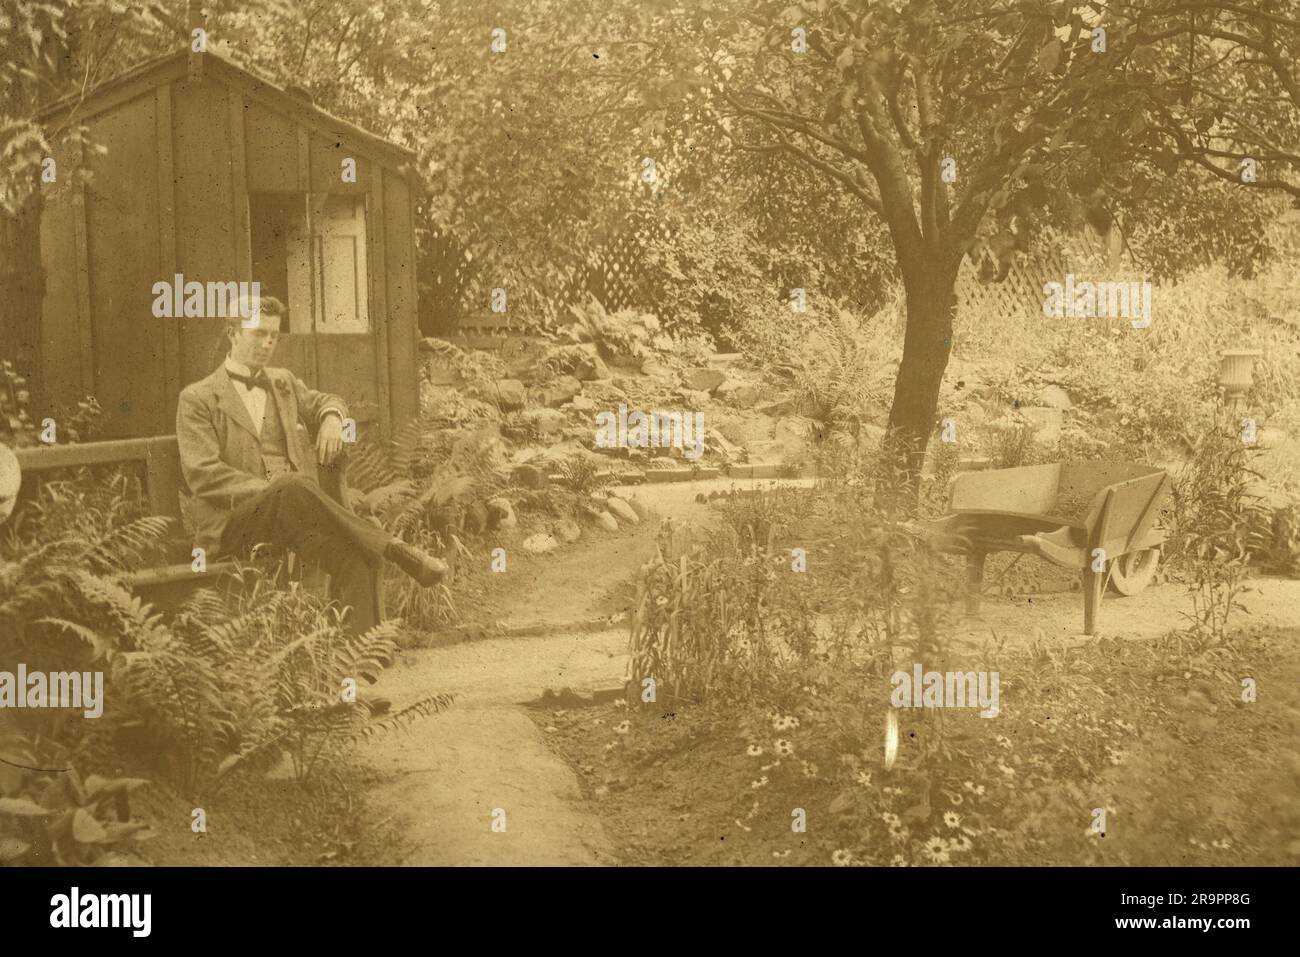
x: 329, y: 439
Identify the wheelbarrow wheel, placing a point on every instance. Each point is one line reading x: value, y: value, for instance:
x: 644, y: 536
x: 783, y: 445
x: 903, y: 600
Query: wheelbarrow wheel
x: 1133, y: 572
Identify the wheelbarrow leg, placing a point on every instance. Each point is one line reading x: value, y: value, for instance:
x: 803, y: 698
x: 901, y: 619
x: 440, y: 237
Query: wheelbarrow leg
x: 1094, y: 585
x: 974, y: 581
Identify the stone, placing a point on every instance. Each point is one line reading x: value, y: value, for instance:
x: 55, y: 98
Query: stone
x: 583, y: 405
x: 741, y: 394
x: 795, y: 433
x: 744, y: 429
x: 778, y: 408
x: 510, y: 394
x: 546, y: 421
x: 528, y: 476
x: 607, y: 522
x: 591, y: 368
x: 568, y: 530
x: 766, y: 450
x: 623, y: 511
x: 657, y: 369
x: 1054, y: 397
x: 642, y: 510
x: 694, y: 398
x: 540, y: 544
x: 501, y: 514
x: 559, y: 391
x: 704, y: 380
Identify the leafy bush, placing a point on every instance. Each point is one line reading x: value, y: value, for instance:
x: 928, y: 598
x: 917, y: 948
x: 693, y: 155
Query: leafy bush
x: 1284, y: 549
x: 50, y: 815
x: 236, y: 677
x: 1220, y: 526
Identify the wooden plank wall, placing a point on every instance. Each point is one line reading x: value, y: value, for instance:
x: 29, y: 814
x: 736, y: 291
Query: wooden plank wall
x: 122, y: 245
x: 170, y: 196
x: 206, y: 242
x: 403, y: 310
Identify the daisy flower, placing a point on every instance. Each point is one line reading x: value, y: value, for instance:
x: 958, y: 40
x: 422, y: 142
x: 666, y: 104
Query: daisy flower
x: 898, y: 861
x: 623, y: 727
x: 962, y: 843
x: 892, y: 819
x: 753, y: 750
x: 783, y: 747
x: 863, y: 778
x: 842, y: 858
x: 785, y: 722
x: 761, y: 782
x: 809, y: 769
x: 973, y: 788
x: 952, y: 819
x: 935, y: 850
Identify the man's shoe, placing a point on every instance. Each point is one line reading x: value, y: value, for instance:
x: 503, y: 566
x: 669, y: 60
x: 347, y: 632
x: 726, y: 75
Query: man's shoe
x: 425, y: 569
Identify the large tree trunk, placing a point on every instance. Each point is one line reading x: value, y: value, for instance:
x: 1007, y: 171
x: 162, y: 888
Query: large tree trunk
x: 931, y: 307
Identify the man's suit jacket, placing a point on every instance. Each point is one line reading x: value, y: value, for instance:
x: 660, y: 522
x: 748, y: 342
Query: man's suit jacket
x: 220, y: 450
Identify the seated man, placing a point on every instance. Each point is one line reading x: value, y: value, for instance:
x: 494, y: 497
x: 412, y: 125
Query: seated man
x: 247, y: 460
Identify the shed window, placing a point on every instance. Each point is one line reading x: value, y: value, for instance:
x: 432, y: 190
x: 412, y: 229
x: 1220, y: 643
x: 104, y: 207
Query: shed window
x: 311, y: 253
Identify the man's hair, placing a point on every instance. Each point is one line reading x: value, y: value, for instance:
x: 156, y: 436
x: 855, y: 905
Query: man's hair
x: 249, y: 306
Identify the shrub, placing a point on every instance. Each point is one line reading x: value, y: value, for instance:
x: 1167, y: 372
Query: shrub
x: 1219, y: 527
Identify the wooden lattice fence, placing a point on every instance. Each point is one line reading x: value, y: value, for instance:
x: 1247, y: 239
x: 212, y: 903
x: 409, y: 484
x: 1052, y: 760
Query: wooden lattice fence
x: 1087, y: 255
x: 614, y: 272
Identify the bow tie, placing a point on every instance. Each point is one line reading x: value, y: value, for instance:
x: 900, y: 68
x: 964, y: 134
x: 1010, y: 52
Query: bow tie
x: 257, y: 380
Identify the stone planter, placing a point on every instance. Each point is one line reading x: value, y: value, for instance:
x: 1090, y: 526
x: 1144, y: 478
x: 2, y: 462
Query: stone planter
x: 1236, y: 368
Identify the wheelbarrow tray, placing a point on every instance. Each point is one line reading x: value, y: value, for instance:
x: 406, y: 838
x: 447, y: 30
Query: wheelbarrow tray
x: 1069, y: 513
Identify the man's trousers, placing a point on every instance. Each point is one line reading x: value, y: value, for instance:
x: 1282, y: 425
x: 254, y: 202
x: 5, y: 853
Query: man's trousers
x: 294, y: 512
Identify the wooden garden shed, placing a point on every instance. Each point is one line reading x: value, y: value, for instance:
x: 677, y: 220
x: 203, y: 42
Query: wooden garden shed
x: 215, y: 174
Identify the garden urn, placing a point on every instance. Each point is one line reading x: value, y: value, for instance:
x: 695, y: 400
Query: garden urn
x: 1235, y: 373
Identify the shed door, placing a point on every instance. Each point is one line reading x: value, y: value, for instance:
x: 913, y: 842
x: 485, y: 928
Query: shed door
x: 339, y: 227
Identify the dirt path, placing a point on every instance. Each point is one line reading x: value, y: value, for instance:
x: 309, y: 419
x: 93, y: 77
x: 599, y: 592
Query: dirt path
x: 1058, y: 617
x: 447, y: 775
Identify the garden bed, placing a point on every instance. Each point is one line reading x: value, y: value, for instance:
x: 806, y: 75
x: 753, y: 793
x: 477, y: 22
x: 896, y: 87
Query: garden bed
x: 1156, y: 735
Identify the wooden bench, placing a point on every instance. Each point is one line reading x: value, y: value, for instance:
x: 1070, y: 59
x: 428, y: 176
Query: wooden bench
x: 1070, y: 514
x: 168, y: 584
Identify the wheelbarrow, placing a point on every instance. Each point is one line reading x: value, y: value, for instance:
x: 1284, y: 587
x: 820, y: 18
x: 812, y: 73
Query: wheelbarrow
x: 1097, y: 517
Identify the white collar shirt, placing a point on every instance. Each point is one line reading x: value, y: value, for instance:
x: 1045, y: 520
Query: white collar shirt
x: 254, y: 398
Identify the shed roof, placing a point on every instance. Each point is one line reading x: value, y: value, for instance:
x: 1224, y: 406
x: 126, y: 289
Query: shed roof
x: 165, y: 69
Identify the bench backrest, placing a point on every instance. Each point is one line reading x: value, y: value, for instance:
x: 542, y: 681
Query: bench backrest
x: 159, y: 455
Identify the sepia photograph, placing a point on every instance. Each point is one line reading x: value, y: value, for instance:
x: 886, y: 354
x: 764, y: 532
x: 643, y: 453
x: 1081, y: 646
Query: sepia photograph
x: 651, y: 433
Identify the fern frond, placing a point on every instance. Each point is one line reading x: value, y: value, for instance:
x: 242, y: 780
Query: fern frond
x: 88, y: 635
x: 420, y: 709
x: 127, y: 547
